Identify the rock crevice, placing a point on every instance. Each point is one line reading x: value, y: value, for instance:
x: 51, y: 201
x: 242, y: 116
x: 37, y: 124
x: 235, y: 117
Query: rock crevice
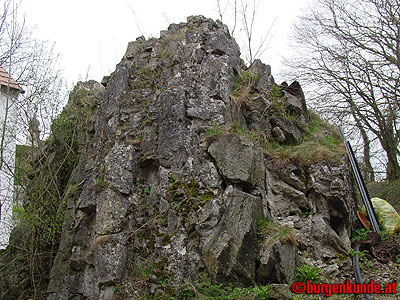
x: 182, y: 169
x: 180, y: 182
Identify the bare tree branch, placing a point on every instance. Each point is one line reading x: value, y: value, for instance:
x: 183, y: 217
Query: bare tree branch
x: 351, y: 51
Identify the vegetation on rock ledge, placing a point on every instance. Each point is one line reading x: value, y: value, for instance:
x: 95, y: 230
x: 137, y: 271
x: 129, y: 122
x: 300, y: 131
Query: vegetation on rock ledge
x: 321, y: 143
x: 45, y: 187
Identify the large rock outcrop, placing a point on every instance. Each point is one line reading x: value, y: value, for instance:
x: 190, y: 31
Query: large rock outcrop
x: 177, y: 177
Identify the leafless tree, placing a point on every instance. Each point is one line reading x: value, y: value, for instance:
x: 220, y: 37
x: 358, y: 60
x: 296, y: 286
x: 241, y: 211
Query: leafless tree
x: 34, y: 66
x: 241, y: 15
x: 27, y: 118
x: 349, y: 50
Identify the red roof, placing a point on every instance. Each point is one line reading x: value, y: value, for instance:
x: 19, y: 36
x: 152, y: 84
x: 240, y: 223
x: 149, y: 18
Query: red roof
x: 6, y: 80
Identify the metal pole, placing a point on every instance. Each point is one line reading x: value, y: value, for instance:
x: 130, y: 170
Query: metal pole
x: 361, y: 185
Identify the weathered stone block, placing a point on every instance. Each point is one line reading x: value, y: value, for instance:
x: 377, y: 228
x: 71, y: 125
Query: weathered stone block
x: 110, y: 212
x: 120, y: 167
x: 238, y: 160
x: 230, y: 253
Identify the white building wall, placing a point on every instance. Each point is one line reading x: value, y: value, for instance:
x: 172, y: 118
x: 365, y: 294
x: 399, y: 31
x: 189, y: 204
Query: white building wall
x: 6, y: 178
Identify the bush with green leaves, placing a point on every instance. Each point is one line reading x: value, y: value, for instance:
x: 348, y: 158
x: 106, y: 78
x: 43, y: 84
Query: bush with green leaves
x: 360, y: 233
x: 204, y: 289
x: 308, y: 273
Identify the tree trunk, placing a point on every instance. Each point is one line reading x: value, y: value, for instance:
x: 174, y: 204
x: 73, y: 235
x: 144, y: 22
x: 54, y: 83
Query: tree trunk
x: 390, y: 147
x: 368, y: 170
x: 369, y: 174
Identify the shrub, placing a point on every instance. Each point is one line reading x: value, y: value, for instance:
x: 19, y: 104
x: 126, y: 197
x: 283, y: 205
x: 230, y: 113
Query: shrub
x: 308, y: 272
x: 44, y: 176
x: 205, y: 289
x: 361, y: 233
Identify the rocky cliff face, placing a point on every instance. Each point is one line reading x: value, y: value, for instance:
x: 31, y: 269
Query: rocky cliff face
x: 194, y: 164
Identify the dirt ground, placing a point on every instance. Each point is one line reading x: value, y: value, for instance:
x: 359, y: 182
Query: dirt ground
x: 381, y: 263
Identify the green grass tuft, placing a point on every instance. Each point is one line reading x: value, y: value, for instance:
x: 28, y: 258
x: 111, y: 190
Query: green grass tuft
x: 243, y: 79
x: 321, y: 143
x: 273, y: 231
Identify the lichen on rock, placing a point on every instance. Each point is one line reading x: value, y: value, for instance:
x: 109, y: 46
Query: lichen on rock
x: 178, y: 171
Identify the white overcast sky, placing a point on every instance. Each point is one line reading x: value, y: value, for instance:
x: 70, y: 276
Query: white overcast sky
x: 92, y: 35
